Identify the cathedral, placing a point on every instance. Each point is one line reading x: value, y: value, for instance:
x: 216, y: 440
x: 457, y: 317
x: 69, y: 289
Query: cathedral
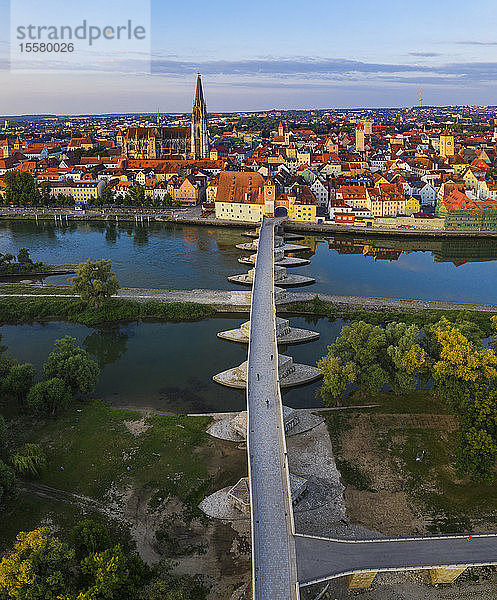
x: 170, y: 142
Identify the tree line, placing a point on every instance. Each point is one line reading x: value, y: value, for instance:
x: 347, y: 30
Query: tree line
x: 22, y: 190
x: 94, y: 564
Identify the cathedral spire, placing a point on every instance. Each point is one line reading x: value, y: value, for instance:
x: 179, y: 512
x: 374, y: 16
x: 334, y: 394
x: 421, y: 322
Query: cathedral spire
x: 199, y: 93
x: 199, y: 133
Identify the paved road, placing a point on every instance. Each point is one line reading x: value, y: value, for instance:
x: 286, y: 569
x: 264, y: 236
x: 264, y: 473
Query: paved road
x: 320, y: 558
x: 273, y: 544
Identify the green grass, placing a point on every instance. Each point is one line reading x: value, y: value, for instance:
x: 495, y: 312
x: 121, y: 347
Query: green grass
x: 99, y: 454
x: 28, y: 511
x: 449, y: 504
x: 95, y: 448
x: 22, y: 310
x: 36, y: 289
x: 338, y: 424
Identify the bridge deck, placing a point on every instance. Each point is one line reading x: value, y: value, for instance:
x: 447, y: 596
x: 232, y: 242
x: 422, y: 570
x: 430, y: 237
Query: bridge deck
x: 273, y: 544
x: 320, y: 558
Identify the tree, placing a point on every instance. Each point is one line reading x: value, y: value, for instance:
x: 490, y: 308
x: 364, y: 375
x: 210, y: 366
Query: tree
x: 19, y: 380
x: 29, y: 461
x: 73, y: 365
x: 461, y: 365
x: 169, y: 586
x: 372, y: 357
x: 408, y: 358
x: 8, y: 485
x: 45, y: 192
x: 3, y: 432
x: 95, y: 282
x: 47, y: 397
x: 337, y: 377
x: 476, y: 455
x: 111, y: 575
x: 168, y: 199
x: 20, y: 188
x: 23, y: 256
x: 138, y: 195
x: 37, y: 568
x: 107, y: 196
x: 6, y: 259
x: 90, y: 537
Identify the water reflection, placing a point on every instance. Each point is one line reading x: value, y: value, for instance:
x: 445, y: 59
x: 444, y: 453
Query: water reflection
x: 166, y: 366
x: 107, y: 344
x: 456, y: 251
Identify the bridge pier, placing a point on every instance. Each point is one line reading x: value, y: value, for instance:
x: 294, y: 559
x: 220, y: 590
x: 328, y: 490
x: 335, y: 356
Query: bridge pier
x: 359, y: 581
x: 444, y: 575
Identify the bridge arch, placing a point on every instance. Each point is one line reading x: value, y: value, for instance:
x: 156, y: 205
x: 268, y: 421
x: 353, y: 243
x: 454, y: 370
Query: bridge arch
x: 281, y: 211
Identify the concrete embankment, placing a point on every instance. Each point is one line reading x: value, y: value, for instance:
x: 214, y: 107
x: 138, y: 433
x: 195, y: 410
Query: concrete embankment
x: 228, y: 301
x: 320, y: 228
x: 233, y: 301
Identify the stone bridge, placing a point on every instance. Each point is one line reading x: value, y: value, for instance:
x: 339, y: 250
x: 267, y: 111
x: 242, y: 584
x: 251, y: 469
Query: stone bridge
x: 283, y: 561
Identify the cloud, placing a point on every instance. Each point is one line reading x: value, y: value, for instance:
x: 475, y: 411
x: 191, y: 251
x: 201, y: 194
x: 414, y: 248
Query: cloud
x: 329, y: 69
x: 424, y: 54
x: 470, y: 43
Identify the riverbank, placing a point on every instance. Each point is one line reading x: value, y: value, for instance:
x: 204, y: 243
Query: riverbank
x: 41, y: 271
x: 16, y: 309
x: 192, y: 216
x: 132, y: 303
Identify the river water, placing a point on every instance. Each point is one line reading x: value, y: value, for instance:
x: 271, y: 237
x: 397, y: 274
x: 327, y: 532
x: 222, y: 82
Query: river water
x: 169, y: 256
x: 169, y: 366
x: 165, y: 366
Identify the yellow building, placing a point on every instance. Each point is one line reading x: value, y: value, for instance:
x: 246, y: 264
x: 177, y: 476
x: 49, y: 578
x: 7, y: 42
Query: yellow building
x: 211, y: 190
x: 183, y: 190
x: 470, y: 179
x: 301, y: 204
x: 85, y: 191
x: 303, y: 157
x: 413, y: 205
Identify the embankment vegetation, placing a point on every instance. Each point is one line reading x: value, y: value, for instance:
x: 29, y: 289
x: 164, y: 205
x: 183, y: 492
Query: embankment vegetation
x: 25, y: 310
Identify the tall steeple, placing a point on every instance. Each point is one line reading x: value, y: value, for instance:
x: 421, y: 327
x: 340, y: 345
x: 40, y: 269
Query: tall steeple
x: 199, y: 133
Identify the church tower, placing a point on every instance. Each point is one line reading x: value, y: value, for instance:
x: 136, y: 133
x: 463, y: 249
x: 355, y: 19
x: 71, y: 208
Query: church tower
x: 446, y: 143
x: 199, y: 133
x: 359, y: 137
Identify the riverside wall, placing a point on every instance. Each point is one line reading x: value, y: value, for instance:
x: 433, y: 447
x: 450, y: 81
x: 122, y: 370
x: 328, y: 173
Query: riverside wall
x: 321, y: 228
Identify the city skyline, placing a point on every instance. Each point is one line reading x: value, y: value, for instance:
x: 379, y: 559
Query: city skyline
x: 259, y: 57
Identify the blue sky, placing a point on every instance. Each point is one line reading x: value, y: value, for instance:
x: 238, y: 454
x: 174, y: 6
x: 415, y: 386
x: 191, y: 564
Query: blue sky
x: 274, y: 54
